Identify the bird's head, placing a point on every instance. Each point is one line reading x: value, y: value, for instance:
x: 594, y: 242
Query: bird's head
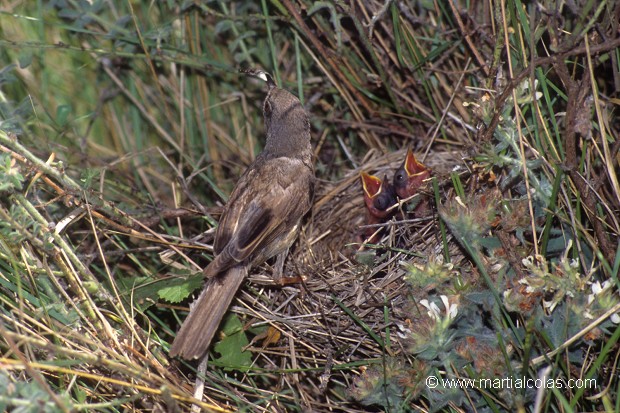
x: 378, y: 194
x: 410, y: 176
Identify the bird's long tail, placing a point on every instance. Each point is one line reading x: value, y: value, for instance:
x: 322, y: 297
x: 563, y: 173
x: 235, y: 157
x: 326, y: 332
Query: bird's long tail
x: 206, y: 313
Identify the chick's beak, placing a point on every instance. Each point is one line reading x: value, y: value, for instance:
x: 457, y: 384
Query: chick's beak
x: 371, y: 184
x: 412, y: 166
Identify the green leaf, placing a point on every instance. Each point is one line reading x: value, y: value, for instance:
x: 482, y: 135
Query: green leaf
x: 25, y: 59
x: 231, y: 347
x: 223, y: 26
x: 143, y: 290
x: 6, y: 74
x: 180, y: 289
x: 62, y: 114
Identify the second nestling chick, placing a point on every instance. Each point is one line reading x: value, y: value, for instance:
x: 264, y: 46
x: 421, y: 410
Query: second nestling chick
x: 379, y: 196
x: 409, y: 178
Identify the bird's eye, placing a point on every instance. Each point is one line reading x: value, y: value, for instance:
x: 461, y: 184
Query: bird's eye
x: 400, y: 177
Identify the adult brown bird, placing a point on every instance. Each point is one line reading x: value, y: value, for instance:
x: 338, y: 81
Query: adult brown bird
x: 379, y: 196
x: 410, y: 176
x: 260, y: 220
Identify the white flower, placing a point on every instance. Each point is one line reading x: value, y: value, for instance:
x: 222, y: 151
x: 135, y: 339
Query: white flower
x: 596, y: 288
x: 451, y: 310
x: 404, y: 332
x: 433, y: 310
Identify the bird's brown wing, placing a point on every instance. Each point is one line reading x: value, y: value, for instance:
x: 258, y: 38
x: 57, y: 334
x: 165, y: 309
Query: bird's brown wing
x: 268, y: 200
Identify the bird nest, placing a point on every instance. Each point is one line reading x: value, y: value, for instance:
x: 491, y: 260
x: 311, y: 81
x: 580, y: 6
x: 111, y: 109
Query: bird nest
x: 353, y: 302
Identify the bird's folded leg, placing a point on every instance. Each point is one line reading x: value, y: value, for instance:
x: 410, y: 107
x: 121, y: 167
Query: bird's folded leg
x: 278, y: 271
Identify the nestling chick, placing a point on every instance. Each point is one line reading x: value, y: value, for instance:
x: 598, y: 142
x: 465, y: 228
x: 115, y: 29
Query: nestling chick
x: 410, y: 176
x: 379, y: 196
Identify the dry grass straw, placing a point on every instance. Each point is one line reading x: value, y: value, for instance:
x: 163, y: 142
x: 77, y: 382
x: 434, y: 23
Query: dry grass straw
x: 93, y: 242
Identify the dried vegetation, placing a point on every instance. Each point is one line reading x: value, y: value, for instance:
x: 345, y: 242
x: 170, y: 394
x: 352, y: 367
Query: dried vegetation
x: 122, y: 129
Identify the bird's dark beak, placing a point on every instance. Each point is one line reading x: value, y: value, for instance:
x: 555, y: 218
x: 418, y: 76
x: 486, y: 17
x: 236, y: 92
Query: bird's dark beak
x: 372, y: 184
x: 412, y: 166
